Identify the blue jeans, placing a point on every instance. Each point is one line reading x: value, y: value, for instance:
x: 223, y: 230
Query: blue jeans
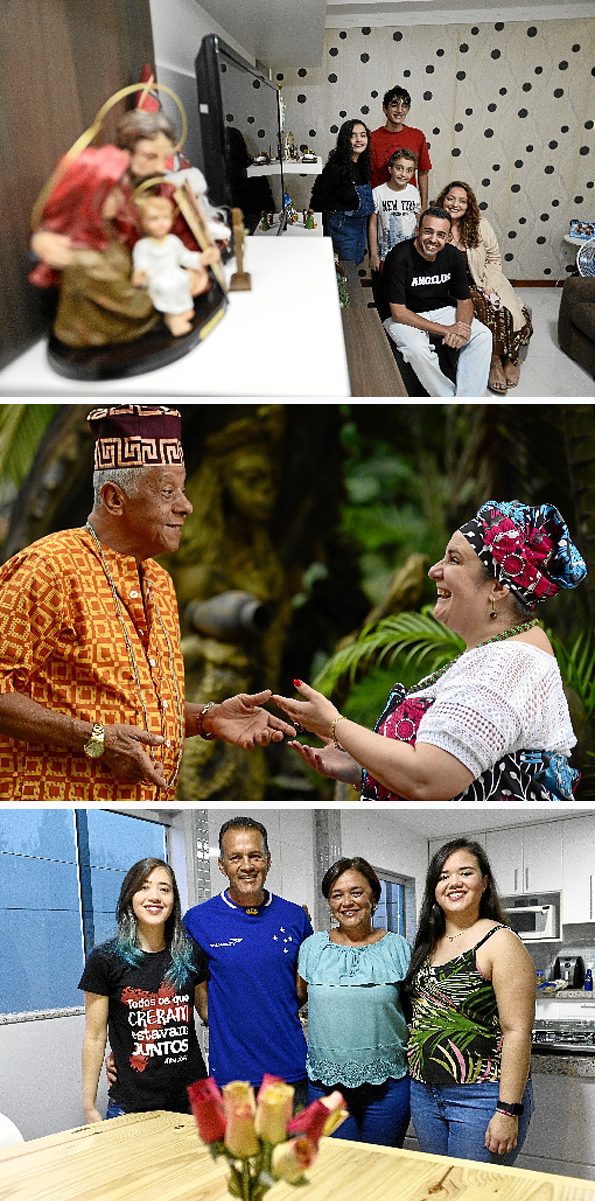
x: 378, y: 1113
x: 349, y: 230
x: 453, y: 1121
x: 114, y: 1110
x: 473, y: 365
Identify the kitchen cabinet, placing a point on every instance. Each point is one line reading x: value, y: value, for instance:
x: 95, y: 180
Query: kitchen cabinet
x: 526, y: 859
x: 435, y: 843
x: 560, y: 1138
x: 578, y: 876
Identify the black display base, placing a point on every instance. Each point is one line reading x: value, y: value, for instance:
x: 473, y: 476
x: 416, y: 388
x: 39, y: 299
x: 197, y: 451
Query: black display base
x: 157, y: 348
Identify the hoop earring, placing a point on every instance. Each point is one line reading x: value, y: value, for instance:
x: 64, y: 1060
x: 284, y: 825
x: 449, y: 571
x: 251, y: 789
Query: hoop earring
x: 493, y: 614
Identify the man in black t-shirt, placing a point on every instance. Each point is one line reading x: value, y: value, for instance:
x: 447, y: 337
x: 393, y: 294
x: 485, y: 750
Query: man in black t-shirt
x: 426, y: 294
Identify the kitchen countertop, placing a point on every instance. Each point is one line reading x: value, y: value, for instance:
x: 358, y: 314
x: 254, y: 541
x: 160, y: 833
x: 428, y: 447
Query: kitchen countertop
x: 581, y: 1067
x: 567, y: 994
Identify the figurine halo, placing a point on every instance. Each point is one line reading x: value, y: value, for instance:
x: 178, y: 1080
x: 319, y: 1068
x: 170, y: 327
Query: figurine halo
x: 91, y: 133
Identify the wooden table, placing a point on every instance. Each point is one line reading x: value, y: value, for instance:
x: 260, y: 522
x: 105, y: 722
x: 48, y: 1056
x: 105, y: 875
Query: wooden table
x: 158, y: 1157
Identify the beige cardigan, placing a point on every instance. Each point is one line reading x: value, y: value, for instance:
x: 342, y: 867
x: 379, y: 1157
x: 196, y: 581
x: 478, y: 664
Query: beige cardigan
x: 486, y: 268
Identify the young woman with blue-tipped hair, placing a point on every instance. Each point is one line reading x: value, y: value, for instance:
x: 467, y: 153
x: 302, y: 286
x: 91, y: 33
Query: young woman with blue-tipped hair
x: 141, y: 987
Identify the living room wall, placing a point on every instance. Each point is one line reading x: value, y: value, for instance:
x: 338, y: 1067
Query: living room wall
x: 506, y: 106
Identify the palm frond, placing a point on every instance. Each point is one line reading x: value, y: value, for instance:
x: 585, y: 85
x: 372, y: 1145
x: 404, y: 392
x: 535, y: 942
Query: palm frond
x: 412, y: 639
x: 577, y: 666
x: 21, y: 430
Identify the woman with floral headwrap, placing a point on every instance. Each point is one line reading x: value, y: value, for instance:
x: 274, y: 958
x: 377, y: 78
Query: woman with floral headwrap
x: 492, y: 725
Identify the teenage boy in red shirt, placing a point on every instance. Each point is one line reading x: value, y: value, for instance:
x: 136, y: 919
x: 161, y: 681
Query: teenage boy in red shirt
x: 387, y: 138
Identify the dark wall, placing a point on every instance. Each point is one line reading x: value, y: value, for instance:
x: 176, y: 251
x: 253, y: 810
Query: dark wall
x: 60, y: 60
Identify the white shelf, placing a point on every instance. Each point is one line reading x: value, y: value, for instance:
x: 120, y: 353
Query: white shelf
x: 289, y: 168
x: 284, y: 338
x: 297, y: 230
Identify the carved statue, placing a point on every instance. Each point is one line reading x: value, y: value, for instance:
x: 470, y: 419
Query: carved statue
x: 234, y: 602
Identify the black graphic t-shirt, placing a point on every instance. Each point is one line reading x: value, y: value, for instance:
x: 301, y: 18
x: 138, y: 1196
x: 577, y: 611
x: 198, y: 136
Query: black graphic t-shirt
x: 421, y: 286
x: 151, y: 1027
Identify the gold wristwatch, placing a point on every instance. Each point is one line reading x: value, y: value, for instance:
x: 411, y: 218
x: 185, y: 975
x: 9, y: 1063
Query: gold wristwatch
x: 95, y: 747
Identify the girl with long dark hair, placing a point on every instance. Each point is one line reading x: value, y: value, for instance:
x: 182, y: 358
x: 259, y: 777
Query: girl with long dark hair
x: 142, y: 986
x: 343, y: 193
x: 471, y: 984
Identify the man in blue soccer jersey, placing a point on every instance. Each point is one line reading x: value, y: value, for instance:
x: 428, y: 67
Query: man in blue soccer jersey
x: 251, y: 939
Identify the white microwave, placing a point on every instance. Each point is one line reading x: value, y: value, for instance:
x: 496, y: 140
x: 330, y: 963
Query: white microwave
x: 533, y: 921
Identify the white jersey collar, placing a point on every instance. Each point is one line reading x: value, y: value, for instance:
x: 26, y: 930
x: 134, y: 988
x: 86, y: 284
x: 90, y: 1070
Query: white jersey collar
x: 232, y: 905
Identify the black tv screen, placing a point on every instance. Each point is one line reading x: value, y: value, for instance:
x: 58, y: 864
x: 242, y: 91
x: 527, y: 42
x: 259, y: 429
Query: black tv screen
x: 239, y: 113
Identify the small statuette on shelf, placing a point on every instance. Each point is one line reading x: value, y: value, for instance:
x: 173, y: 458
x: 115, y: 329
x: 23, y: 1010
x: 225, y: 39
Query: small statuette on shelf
x: 264, y: 224
x: 310, y: 223
x: 292, y: 213
x: 240, y: 280
x: 291, y: 151
x: 309, y: 156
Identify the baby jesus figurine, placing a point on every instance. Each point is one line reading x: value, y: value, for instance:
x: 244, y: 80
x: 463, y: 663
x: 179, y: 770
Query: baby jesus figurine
x: 159, y: 263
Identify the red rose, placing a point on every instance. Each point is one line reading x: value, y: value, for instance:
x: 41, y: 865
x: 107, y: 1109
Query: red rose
x: 207, y: 1107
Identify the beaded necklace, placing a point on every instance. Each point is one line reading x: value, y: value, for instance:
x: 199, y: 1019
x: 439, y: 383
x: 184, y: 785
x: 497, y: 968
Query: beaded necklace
x: 427, y: 681
x: 134, y: 667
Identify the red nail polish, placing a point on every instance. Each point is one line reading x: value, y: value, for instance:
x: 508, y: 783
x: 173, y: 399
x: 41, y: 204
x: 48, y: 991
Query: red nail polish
x: 297, y: 683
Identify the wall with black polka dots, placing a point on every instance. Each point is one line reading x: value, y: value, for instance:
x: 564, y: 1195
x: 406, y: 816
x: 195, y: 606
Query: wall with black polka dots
x: 507, y: 107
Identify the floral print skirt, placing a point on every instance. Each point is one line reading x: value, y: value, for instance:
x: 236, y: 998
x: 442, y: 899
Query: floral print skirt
x: 507, y: 341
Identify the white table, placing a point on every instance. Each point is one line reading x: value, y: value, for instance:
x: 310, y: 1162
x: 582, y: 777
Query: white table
x: 284, y: 338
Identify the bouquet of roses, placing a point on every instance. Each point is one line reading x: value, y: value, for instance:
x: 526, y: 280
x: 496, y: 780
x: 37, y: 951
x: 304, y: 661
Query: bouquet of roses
x: 259, y: 1137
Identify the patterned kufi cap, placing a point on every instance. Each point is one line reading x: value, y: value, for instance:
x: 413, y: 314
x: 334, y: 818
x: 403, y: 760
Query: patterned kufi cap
x: 527, y: 547
x: 136, y: 436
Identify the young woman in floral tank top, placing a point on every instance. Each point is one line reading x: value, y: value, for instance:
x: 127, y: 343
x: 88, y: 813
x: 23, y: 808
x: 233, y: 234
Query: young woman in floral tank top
x: 472, y: 987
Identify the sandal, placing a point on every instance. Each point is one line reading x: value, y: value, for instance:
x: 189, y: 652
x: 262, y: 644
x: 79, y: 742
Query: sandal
x: 512, y: 373
x: 497, y: 382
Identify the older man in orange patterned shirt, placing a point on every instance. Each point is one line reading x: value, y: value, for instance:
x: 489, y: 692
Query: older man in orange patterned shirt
x: 91, y: 672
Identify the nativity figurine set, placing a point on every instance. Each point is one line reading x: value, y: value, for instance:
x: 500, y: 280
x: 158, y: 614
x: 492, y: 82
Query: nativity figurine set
x: 133, y: 248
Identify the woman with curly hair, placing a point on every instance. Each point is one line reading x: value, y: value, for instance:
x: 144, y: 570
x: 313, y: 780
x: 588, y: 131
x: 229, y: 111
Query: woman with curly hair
x: 143, y: 985
x: 494, y: 302
x: 343, y: 193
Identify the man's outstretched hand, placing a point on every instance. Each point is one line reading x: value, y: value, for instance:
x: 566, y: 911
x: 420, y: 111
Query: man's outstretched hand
x: 242, y: 721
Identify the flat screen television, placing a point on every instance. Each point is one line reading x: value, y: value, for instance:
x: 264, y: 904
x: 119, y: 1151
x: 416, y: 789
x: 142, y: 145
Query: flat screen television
x: 240, y: 117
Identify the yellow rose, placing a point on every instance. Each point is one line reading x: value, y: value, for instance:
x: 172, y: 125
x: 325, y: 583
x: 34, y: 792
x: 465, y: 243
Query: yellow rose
x: 336, y: 1103
x: 274, y: 1108
x: 290, y: 1160
x: 240, y: 1136
x: 237, y: 1092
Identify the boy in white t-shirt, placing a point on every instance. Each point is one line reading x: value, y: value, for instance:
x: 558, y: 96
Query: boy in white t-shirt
x: 397, y: 205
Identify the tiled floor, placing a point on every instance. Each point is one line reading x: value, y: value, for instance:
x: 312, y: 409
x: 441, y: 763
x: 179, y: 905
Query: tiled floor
x: 547, y: 371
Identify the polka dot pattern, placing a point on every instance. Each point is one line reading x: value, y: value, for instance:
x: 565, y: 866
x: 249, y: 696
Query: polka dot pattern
x: 487, y: 86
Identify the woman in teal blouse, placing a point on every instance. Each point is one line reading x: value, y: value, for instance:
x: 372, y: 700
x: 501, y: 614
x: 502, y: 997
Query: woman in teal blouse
x: 357, y: 1033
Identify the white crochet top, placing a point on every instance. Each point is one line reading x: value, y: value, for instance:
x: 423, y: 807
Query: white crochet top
x: 503, y: 697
